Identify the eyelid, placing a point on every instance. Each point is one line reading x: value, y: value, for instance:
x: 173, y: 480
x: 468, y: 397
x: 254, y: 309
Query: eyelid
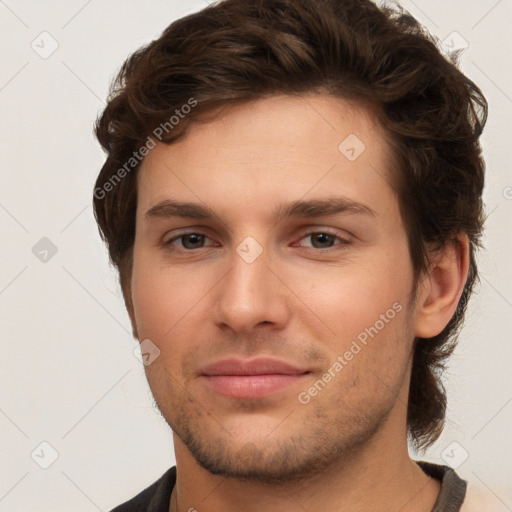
x: 177, y: 236
x: 330, y: 231
x: 312, y: 231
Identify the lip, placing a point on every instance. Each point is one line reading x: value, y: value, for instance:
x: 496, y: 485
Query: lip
x: 250, y: 379
x: 258, y: 366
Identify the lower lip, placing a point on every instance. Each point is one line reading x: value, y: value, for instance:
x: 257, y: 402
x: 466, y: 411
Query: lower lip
x: 251, y: 386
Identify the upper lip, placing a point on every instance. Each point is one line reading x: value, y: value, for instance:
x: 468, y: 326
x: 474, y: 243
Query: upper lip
x: 259, y: 366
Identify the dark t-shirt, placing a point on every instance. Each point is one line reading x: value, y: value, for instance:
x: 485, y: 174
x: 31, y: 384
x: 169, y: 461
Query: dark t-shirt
x: 157, y: 496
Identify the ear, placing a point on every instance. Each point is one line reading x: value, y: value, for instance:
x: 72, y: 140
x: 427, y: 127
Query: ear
x: 440, y: 290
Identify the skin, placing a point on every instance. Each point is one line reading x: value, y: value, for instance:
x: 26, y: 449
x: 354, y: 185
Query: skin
x: 346, y: 448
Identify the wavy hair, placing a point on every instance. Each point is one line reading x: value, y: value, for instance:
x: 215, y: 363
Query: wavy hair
x: 236, y: 51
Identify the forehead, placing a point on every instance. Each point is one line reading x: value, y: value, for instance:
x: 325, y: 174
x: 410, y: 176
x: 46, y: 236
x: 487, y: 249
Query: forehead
x: 258, y: 153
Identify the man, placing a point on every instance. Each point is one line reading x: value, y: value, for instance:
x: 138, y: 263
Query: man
x: 292, y: 196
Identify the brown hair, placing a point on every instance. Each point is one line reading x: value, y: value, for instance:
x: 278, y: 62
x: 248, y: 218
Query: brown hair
x: 236, y: 51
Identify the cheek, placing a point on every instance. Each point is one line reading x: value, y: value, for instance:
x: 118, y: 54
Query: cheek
x: 160, y: 307
x: 155, y: 301
x: 351, y: 296
x: 167, y: 299
x: 371, y: 338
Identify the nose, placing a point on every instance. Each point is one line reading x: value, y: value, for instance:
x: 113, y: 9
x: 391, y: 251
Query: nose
x: 251, y: 295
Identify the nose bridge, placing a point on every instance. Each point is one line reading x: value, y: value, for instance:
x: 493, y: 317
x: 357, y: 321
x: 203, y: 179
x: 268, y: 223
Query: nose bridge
x: 250, y: 293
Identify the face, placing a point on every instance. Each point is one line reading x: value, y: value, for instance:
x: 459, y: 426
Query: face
x: 293, y: 249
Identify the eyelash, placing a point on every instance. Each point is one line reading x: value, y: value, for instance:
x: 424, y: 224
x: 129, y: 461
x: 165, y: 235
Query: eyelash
x: 343, y: 241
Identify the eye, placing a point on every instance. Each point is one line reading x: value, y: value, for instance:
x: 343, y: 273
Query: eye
x: 189, y: 241
x: 324, y: 239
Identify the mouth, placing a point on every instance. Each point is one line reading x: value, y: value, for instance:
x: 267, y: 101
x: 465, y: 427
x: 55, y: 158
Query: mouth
x: 251, y: 379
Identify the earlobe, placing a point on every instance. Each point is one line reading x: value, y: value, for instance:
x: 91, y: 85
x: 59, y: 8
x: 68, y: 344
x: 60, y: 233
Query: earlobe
x: 441, y: 289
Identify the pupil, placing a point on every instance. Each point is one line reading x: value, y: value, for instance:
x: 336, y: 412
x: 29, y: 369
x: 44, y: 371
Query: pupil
x: 196, y: 238
x: 321, y: 237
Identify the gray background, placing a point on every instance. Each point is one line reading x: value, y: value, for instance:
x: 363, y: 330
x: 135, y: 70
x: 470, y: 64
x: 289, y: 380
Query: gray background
x: 68, y: 374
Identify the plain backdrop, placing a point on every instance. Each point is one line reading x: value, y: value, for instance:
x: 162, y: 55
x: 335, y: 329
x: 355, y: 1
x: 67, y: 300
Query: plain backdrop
x: 68, y: 376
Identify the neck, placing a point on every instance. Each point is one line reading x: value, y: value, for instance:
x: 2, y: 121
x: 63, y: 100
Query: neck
x: 391, y: 481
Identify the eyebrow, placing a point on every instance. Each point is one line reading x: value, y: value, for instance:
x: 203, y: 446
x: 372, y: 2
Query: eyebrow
x: 169, y: 208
